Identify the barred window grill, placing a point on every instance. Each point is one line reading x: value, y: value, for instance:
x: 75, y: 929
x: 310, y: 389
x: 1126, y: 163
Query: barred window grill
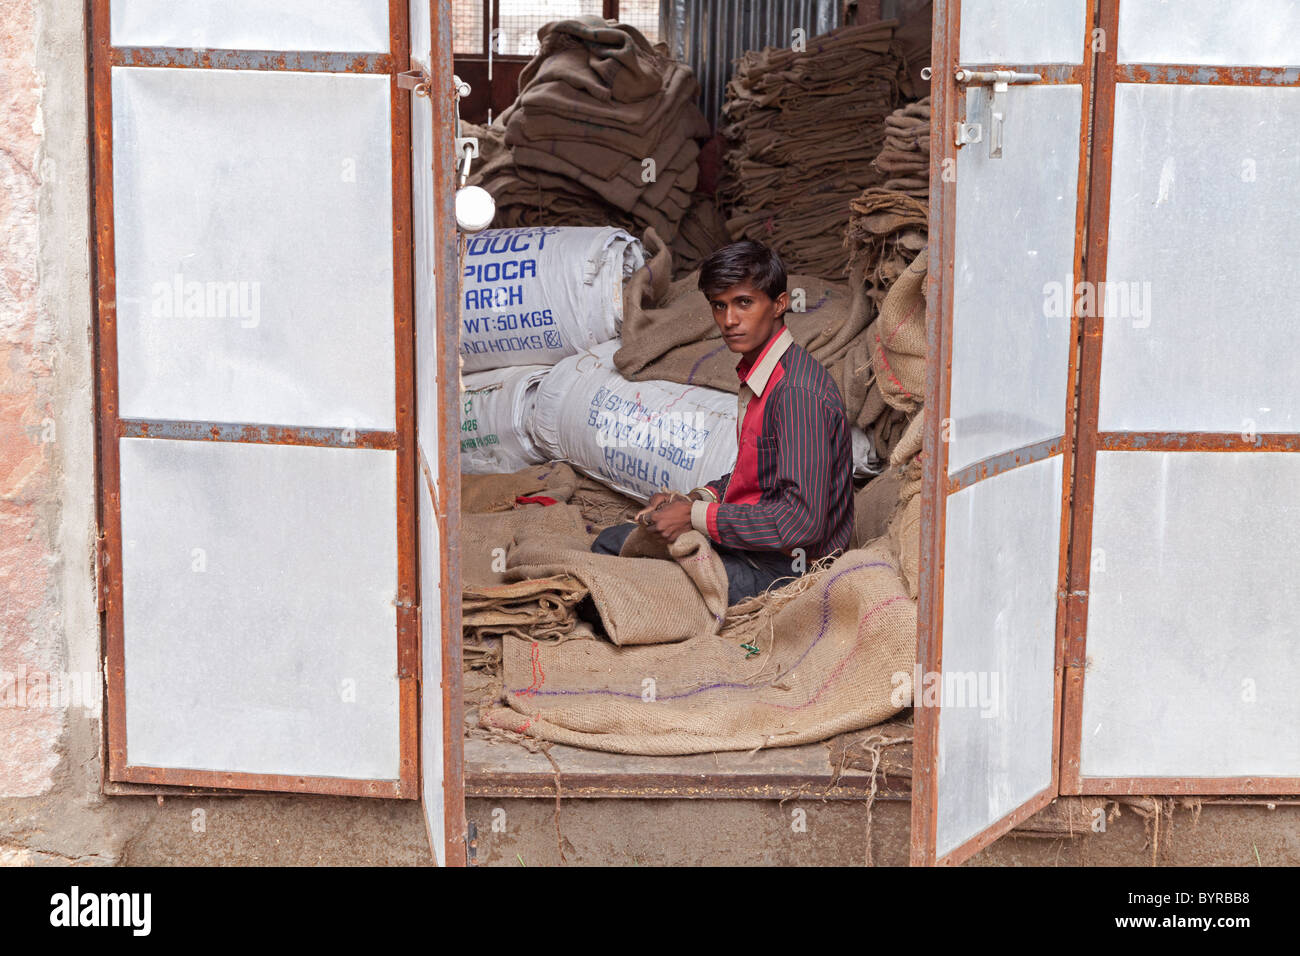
x: 642, y: 14
x: 467, y: 27
x: 519, y: 20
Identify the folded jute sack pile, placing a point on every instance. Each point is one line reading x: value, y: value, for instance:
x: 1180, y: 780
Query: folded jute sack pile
x: 804, y: 127
x: 905, y: 157
x: 889, y: 224
x: 494, y: 605
x: 603, y: 132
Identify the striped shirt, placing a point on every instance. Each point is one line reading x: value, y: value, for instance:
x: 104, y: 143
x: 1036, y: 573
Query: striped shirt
x: 792, y: 484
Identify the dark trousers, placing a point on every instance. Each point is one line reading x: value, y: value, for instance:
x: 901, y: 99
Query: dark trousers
x: 748, y: 572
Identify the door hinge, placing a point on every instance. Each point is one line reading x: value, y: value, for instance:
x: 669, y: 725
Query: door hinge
x: 1076, y: 616
x: 471, y: 843
x: 101, y: 575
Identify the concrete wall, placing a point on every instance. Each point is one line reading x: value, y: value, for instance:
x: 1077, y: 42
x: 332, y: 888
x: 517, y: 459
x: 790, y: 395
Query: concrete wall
x: 48, y: 627
x: 837, y: 833
x: 47, y: 523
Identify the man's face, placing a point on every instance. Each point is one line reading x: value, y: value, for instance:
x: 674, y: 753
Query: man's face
x: 747, y: 316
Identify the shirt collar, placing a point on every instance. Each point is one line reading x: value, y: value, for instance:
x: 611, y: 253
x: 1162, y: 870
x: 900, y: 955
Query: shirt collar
x: 756, y: 376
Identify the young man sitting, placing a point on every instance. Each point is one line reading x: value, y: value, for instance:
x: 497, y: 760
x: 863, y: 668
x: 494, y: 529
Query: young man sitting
x: 789, y: 499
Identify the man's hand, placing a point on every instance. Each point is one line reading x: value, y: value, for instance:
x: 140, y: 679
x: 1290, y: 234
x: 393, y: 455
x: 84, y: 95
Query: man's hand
x: 658, y: 498
x: 671, y: 520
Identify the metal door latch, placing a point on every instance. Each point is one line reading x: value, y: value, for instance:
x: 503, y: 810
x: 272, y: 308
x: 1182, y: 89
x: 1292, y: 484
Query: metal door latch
x: 998, y: 82
x: 416, y: 79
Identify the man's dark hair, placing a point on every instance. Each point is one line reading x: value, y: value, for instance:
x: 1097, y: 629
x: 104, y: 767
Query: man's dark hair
x: 739, y: 261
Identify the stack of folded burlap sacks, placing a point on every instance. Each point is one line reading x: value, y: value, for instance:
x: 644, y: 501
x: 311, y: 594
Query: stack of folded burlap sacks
x: 804, y: 128
x: 889, y: 224
x: 905, y: 157
x: 603, y: 132
x: 551, y: 499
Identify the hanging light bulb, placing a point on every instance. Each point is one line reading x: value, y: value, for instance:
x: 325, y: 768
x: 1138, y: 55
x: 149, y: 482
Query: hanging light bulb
x: 475, y: 209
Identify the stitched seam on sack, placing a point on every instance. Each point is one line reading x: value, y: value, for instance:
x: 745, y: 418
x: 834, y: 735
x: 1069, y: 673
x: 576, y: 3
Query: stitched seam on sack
x: 892, y: 377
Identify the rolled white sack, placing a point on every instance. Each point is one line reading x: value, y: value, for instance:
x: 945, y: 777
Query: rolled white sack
x: 495, y: 408
x: 535, y: 296
x: 636, y: 437
x: 643, y: 437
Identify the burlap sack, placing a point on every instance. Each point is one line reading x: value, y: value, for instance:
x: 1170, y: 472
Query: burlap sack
x: 604, y: 149
x: 828, y: 652
x: 898, y: 339
x: 542, y: 608
x: 905, y: 529
x: 888, y: 430
x: 694, y: 553
x: 486, y: 493
x: 485, y: 539
x: 640, y: 600
x: 874, y: 506
x: 887, y: 230
x: 553, y: 482
x: 648, y: 118
x: 701, y: 231
x: 909, y: 446
x: 556, y: 111
x: 587, y: 53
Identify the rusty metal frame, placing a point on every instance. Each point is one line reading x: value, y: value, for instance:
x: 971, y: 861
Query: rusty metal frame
x: 947, y: 105
x: 300, y: 61
x: 111, y: 428
x: 1091, y: 441
x: 445, y: 491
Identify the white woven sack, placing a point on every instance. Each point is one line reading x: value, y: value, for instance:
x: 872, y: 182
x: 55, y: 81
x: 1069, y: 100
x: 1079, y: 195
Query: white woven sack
x: 534, y: 296
x: 636, y: 437
x: 495, y: 407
